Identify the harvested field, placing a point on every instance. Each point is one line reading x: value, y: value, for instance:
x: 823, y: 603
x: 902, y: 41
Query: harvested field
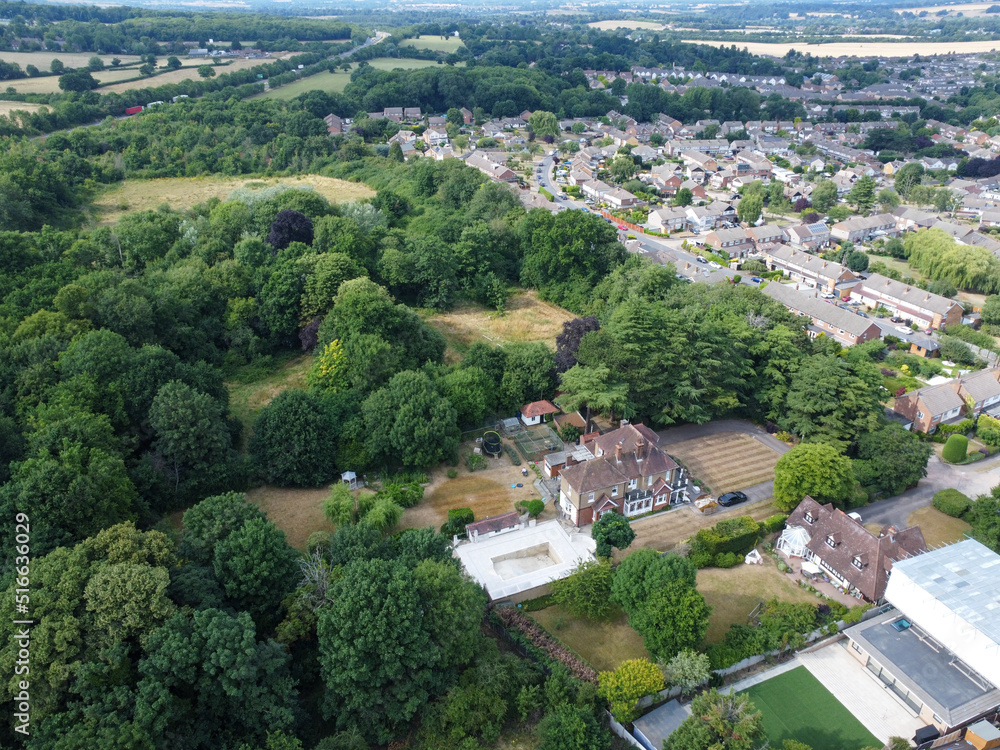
x: 296, y: 511
x: 664, y: 531
x: 189, y: 72
x: 7, y: 108
x: 966, y: 9
x: 487, y: 491
x: 937, y: 527
x: 331, y: 83
x: 43, y: 60
x: 438, y: 44
x: 626, y: 24
x: 734, y: 593
x: 858, y: 49
x: 528, y: 319
x: 727, y: 461
x: 184, y: 192
x: 604, y: 643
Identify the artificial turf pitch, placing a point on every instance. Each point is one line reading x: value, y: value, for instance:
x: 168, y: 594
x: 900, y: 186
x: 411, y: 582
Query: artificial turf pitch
x: 795, y: 706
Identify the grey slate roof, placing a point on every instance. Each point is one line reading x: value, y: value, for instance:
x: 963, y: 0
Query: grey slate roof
x: 808, y: 303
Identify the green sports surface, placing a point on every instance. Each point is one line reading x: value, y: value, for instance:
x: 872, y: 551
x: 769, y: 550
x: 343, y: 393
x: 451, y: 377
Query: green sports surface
x: 795, y: 706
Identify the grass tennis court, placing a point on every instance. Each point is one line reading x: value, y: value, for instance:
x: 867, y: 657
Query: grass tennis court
x: 795, y: 706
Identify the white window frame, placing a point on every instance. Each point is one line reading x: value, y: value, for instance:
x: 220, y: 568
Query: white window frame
x: 633, y: 483
x: 614, y: 491
x: 590, y: 498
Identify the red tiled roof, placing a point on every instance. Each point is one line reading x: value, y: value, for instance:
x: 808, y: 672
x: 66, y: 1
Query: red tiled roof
x: 494, y: 523
x: 538, y: 409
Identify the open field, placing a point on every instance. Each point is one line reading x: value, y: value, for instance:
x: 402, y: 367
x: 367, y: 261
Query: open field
x: 937, y: 527
x: 296, y: 511
x: 7, y: 107
x: 727, y: 461
x: 334, y: 83
x: 528, y: 319
x: 896, y: 264
x: 605, y: 643
x: 438, y: 44
x: 189, y: 72
x: 664, y: 531
x: 966, y: 9
x: 487, y: 492
x: 858, y: 49
x: 247, y: 399
x: 734, y: 593
x: 184, y: 192
x: 331, y: 83
x: 43, y: 60
x: 795, y: 706
x: 626, y: 23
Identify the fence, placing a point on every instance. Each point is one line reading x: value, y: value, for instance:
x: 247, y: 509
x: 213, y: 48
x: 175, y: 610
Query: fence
x: 624, y: 733
x: 616, y: 220
x: 533, y: 444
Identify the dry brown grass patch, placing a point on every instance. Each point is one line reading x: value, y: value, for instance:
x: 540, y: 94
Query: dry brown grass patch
x: 186, y: 73
x: 184, y: 192
x: 733, y: 593
x: 937, y: 527
x: 604, y: 643
x: 296, y: 511
x: 527, y: 320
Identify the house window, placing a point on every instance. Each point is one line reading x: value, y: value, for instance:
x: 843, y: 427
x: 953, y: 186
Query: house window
x: 920, y: 415
x: 809, y: 517
x: 857, y: 562
x: 856, y: 647
x: 590, y: 497
x: 633, y: 483
x: 830, y: 541
x: 614, y: 491
x: 649, y: 481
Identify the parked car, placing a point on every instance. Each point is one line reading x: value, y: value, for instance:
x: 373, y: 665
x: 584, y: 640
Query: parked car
x: 904, y: 329
x: 863, y: 315
x: 732, y: 498
x: 701, y: 260
x: 622, y: 227
x: 713, y: 264
x: 827, y: 295
x: 895, y: 319
x: 756, y: 279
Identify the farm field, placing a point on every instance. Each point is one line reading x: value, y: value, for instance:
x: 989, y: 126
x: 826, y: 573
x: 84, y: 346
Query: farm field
x: 937, y: 527
x: 528, y: 319
x: 605, y: 643
x: 42, y: 60
x: 438, y: 44
x: 7, y: 107
x: 188, y: 72
x: 727, y: 461
x: 184, y: 192
x: 664, y: 531
x: 734, y: 593
x: 966, y: 9
x: 860, y: 49
x: 795, y: 706
x: 626, y: 23
x: 336, y: 82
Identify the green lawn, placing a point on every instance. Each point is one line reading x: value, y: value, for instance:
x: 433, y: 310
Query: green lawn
x: 334, y: 83
x: 436, y: 43
x: 795, y: 706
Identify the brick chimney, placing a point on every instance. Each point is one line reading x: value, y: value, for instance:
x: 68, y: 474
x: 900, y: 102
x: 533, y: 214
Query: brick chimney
x: 618, y: 452
x: 640, y: 449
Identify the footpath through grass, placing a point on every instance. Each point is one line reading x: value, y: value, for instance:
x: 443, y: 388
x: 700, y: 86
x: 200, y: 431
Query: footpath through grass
x: 795, y: 706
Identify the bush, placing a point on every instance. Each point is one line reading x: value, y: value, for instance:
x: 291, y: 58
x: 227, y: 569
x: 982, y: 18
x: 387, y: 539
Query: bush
x: 952, y: 502
x: 533, y: 507
x: 955, y: 449
x: 701, y: 559
x: 727, y: 560
x: 854, y: 614
x: 458, y: 519
x: 452, y: 473
x: 959, y: 428
x: 737, y: 535
x: 474, y: 461
x: 569, y: 433
x: 774, y: 523
x: 988, y: 430
x: 512, y: 455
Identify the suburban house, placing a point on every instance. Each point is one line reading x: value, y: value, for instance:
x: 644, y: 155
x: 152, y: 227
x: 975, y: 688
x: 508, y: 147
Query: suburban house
x: 595, y: 189
x: 846, y: 327
x: 809, y: 236
x: 628, y: 474
x: 856, y: 560
x: 927, y: 309
x: 734, y: 241
x: 862, y: 228
x: 927, y: 407
x: 535, y: 412
x: 492, y: 169
x: 911, y: 219
x: 807, y: 268
x: 938, y: 648
x: 665, y: 220
x: 621, y: 198
x: 334, y: 125
x: 703, y: 218
x: 434, y: 137
x: 768, y: 234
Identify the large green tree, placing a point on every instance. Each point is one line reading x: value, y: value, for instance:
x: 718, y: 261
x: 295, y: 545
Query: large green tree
x: 294, y: 441
x: 671, y: 619
x: 891, y: 459
x: 719, y: 722
x: 813, y: 469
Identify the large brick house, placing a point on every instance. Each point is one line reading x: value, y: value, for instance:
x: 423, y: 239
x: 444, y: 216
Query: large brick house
x: 855, y: 559
x: 932, y: 405
x: 927, y: 309
x: 627, y: 474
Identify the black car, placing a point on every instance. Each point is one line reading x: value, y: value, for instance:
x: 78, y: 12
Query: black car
x: 732, y: 498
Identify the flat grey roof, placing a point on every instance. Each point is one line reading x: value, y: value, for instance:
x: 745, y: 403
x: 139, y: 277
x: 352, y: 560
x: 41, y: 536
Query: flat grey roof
x: 926, y: 668
x: 660, y: 723
x: 964, y: 577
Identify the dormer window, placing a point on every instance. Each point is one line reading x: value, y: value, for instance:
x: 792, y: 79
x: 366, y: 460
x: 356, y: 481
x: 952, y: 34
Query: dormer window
x: 830, y: 541
x: 809, y: 517
x: 857, y: 562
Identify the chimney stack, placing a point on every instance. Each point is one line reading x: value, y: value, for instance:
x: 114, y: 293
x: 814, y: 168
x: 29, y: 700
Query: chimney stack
x: 618, y: 452
x: 640, y: 449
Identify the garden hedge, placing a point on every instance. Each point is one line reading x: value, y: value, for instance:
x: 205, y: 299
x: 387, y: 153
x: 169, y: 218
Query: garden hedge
x: 952, y: 502
x: 988, y: 430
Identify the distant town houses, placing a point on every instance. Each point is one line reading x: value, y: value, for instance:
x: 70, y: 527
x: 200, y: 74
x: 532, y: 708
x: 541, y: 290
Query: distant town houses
x: 927, y: 309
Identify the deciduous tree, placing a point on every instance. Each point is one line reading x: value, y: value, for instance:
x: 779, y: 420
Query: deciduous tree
x: 612, y: 530
x: 813, y: 469
x: 587, y: 591
x: 632, y: 680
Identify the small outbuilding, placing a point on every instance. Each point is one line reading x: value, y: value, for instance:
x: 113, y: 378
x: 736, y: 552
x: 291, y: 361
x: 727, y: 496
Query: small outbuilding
x: 350, y: 479
x: 536, y: 412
